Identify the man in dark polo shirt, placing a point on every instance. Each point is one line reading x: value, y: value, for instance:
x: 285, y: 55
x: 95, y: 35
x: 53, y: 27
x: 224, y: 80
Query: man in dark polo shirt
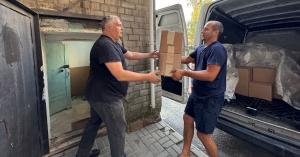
x: 107, y: 86
x: 209, y: 85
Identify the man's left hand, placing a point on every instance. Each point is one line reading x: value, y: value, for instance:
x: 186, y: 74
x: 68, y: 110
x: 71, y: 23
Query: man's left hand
x: 154, y: 54
x: 177, y: 74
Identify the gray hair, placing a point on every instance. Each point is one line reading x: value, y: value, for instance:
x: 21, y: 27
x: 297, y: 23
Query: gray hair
x: 107, y: 19
x: 217, y: 25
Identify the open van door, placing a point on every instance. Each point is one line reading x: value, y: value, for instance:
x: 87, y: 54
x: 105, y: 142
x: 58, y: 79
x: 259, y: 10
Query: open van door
x: 172, y: 19
x: 204, y: 12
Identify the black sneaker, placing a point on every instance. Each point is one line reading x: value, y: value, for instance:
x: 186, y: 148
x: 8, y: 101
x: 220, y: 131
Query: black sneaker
x: 94, y: 153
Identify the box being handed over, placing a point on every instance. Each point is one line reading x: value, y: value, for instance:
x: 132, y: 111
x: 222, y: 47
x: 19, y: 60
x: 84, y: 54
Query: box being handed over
x: 170, y: 52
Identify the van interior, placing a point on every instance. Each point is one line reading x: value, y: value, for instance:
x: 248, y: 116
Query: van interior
x: 269, y: 29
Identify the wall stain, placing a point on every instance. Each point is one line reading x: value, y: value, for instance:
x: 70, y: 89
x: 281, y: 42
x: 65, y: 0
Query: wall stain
x: 11, y: 45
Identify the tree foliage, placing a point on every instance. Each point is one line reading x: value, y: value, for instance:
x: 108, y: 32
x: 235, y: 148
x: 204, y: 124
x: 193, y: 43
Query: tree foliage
x: 192, y: 25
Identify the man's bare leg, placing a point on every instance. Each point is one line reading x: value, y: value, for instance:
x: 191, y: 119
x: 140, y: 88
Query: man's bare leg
x: 188, y: 133
x: 209, y: 144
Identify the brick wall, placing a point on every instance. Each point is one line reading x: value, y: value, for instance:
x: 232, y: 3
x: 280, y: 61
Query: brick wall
x: 135, y: 18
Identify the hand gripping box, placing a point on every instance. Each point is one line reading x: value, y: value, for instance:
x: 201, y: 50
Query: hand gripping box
x: 170, y: 52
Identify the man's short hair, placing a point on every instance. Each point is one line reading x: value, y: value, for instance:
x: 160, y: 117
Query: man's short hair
x: 217, y: 25
x: 107, y: 19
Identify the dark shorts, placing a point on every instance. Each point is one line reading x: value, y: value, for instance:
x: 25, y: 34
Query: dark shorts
x: 205, y: 112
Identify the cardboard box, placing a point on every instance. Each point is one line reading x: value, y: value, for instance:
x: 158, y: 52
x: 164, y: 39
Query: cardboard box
x: 245, y: 75
x: 266, y: 75
x: 261, y: 90
x: 170, y: 51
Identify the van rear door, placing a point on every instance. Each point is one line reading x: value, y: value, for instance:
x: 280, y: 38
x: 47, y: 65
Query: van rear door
x: 172, y: 19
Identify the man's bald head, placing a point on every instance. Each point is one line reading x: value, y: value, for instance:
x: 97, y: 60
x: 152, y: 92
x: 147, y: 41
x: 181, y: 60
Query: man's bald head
x: 217, y: 26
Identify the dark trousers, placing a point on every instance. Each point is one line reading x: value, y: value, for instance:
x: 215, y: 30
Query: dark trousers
x: 112, y: 114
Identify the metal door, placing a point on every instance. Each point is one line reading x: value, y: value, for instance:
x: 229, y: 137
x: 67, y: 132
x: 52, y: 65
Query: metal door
x: 21, y: 119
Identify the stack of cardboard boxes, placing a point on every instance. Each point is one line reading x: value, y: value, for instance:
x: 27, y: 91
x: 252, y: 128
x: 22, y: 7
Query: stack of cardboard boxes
x: 170, y: 52
x: 256, y: 82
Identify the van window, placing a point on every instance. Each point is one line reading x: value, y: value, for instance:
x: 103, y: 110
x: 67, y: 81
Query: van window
x: 169, y: 19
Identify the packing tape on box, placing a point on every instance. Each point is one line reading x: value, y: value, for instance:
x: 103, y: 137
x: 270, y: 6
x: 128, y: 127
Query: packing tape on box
x: 170, y: 38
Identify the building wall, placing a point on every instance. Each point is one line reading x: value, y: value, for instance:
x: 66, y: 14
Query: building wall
x: 135, y: 19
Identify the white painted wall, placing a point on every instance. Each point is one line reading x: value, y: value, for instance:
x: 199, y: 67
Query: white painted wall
x: 78, y: 52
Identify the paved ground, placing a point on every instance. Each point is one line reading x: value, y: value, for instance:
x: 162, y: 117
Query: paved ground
x: 156, y: 140
x: 228, y: 145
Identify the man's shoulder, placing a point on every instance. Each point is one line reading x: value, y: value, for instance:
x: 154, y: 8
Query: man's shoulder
x: 218, y: 45
x: 103, y: 43
x: 103, y: 40
x: 200, y: 48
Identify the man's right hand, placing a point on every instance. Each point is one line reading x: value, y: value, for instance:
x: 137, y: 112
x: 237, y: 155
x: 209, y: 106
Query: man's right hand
x: 154, y: 77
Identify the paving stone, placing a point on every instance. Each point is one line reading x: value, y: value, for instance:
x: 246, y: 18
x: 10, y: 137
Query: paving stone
x: 166, y: 128
x: 167, y: 132
x: 151, y: 128
x: 158, y: 147
x: 168, y: 144
x: 176, y: 148
x: 160, y: 133
x: 132, y: 155
x: 164, y: 140
x: 159, y: 126
x: 152, y: 148
x: 177, y: 136
x: 174, y: 139
x: 147, y: 154
x: 155, y: 135
x: 128, y: 148
x: 162, y: 123
x: 147, y: 142
x: 172, y: 152
x: 144, y: 138
x: 163, y: 154
x: 197, y: 152
x: 140, y: 133
x: 131, y: 137
x: 145, y: 131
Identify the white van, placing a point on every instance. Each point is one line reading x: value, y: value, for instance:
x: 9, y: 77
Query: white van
x: 273, y: 125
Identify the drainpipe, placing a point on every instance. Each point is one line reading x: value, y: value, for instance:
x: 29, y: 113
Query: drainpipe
x: 151, y: 23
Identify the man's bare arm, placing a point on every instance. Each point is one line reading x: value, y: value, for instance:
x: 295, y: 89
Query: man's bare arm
x: 209, y: 74
x: 138, y: 55
x: 124, y: 75
x: 187, y: 60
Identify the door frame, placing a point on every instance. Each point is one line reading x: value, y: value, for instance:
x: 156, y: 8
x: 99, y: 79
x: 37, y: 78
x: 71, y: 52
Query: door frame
x: 58, y: 37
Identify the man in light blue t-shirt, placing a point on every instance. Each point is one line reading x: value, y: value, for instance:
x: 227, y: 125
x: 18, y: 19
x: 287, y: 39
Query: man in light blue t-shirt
x: 209, y: 85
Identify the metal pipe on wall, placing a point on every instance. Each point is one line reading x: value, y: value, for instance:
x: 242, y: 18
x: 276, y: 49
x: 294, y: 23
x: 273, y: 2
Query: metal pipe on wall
x: 151, y: 23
